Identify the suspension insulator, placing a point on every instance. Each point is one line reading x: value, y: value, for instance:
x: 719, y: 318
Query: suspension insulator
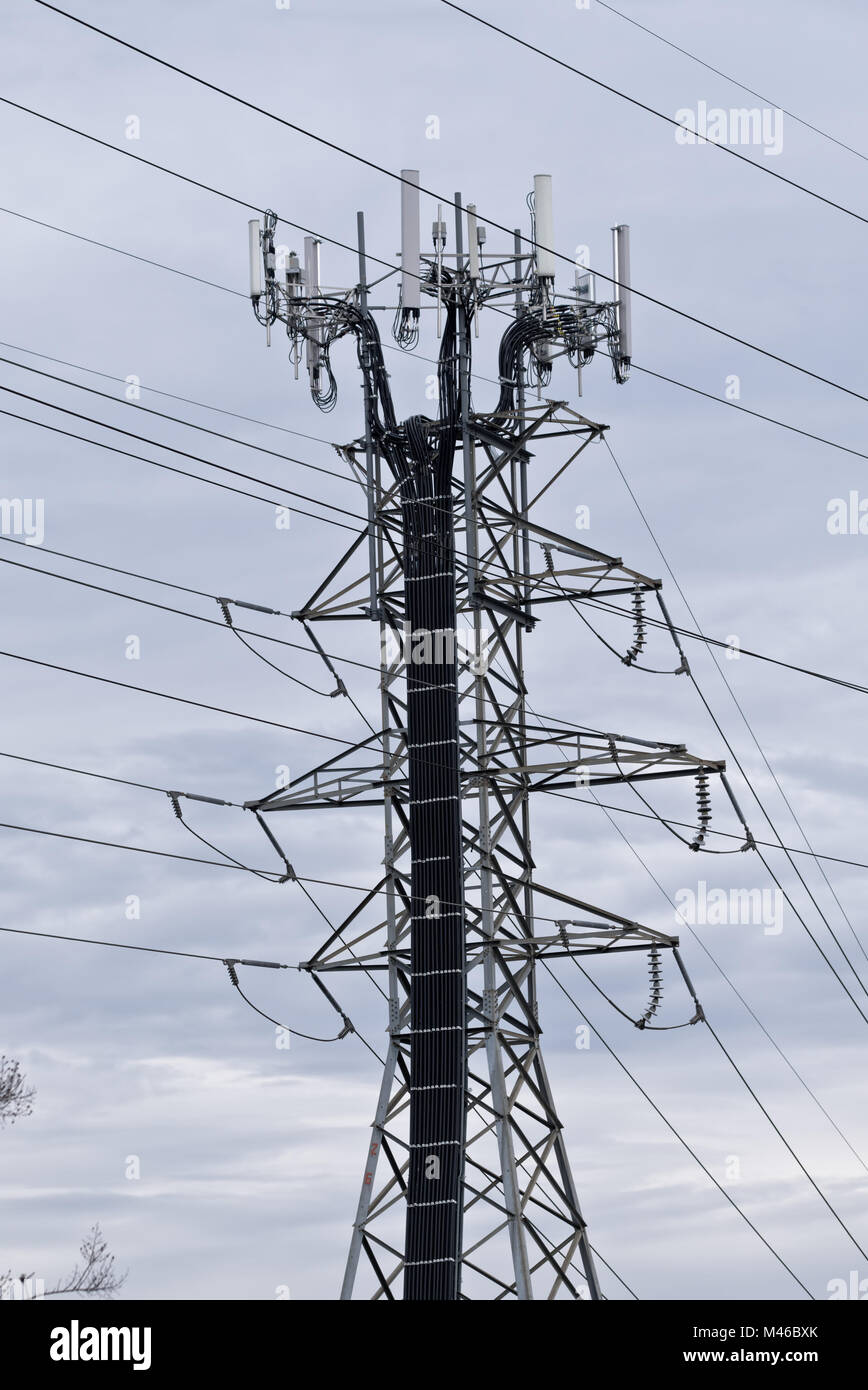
x: 638, y: 627
x: 703, y: 810
x: 655, y: 986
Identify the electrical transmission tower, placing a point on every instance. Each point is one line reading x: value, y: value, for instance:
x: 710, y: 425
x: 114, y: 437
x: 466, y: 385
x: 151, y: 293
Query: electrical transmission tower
x: 467, y: 1188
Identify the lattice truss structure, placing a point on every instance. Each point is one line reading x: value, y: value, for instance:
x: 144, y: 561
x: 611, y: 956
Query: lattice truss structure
x: 467, y: 1187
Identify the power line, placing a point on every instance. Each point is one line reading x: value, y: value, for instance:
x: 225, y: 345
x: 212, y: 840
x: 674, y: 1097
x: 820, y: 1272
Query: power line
x: 181, y: 588
x: 171, y: 468
x: 757, y: 414
x: 369, y: 666
x: 341, y: 477
x: 734, y: 80
x: 177, y: 420
x: 187, y: 275
x: 252, y: 478
x: 89, y: 840
x: 126, y: 946
x: 132, y: 255
x: 178, y: 699
x: 716, y: 963
x: 301, y: 879
x: 748, y: 782
x: 788, y: 1146
x: 172, y: 449
x: 561, y: 63
x: 688, y: 825
x: 230, y: 961
x: 701, y: 1016
x: 610, y: 608
x: 358, y: 530
x: 155, y: 390
x: 366, y: 665
x: 133, y: 849
x: 167, y: 584
x: 598, y: 604
x: 786, y: 1143
x: 93, y: 420
x: 604, y: 607
x: 121, y: 781
x: 669, y: 1125
x: 149, y: 603
x: 371, y: 164
x: 219, y: 193
x: 615, y: 1273
x: 196, y: 617
x: 563, y: 796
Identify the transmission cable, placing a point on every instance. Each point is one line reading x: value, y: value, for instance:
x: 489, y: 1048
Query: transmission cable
x: 757, y: 414
x: 790, y: 115
x: 398, y: 178
x: 634, y: 101
x: 153, y: 950
x: 602, y: 606
x: 716, y: 963
x: 748, y: 782
x: 172, y: 468
x: 172, y: 449
x: 700, y: 1016
x: 178, y: 699
x: 721, y: 1189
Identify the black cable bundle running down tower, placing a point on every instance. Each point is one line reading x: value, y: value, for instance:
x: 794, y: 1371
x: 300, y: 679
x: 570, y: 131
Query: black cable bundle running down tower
x: 437, y: 950
x: 437, y: 936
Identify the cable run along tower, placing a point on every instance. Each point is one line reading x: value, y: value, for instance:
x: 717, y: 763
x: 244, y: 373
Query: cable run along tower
x: 467, y: 1189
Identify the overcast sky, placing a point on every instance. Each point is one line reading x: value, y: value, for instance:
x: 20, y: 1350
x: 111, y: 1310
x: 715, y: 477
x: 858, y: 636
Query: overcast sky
x: 250, y: 1157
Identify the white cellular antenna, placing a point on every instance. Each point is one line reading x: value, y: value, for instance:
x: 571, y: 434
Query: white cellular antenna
x: 621, y: 276
x: 311, y: 281
x: 472, y: 242
x: 475, y: 241
x: 311, y: 266
x: 438, y: 232
x: 411, y: 248
x: 544, y: 227
x: 294, y: 279
x: 255, y: 260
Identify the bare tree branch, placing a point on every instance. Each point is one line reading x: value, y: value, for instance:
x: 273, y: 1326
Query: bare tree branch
x: 96, y: 1277
x: 16, y: 1097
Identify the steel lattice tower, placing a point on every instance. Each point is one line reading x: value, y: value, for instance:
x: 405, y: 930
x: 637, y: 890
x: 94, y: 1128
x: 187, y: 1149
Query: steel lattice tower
x: 467, y: 1189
